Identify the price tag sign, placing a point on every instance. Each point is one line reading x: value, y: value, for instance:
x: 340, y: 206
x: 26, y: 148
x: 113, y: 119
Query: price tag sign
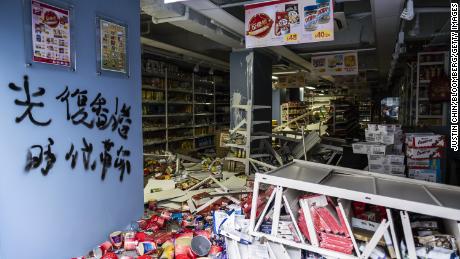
x: 292, y: 37
x: 322, y: 35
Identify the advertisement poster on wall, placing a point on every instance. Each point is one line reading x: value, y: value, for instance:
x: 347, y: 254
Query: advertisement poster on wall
x: 285, y: 22
x: 50, y: 34
x: 337, y: 64
x: 113, y: 46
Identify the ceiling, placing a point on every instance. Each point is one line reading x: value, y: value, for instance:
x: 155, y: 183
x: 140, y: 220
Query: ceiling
x: 215, y: 27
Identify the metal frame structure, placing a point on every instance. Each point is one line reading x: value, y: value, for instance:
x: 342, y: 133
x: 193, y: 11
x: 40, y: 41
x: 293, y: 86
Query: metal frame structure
x: 406, y: 195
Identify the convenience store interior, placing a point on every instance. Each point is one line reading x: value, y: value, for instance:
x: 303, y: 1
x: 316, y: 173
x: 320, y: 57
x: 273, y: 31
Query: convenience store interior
x: 333, y: 148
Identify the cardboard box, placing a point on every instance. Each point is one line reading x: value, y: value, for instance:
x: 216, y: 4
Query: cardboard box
x: 372, y: 136
x: 389, y: 127
x: 425, y: 141
x: 386, y: 159
x: 385, y: 137
x: 364, y: 224
x: 370, y: 148
x: 387, y: 169
x: 430, y: 175
x: 390, y: 138
x: 424, y: 153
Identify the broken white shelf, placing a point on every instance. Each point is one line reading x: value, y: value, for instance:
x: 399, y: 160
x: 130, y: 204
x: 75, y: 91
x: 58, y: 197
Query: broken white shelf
x: 434, y: 199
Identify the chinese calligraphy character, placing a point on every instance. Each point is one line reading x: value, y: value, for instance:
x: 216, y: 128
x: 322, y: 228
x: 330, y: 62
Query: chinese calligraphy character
x: 34, y: 162
x: 87, y: 150
x: 121, y: 121
x: 122, y: 164
x: 64, y: 97
x: 124, y: 121
x: 73, y: 155
x: 105, y: 157
x: 98, y: 107
x: 81, y: 115
x: 28, y: 102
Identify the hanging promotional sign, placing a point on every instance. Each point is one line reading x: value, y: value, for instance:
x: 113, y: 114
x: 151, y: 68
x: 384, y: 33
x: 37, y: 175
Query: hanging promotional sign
x: 337, y: 64
x: 285, y: 22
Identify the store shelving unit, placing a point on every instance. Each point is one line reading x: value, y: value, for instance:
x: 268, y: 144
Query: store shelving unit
x: 180, y: 112
x: 244, y: 129
x: 343, y: 119
x: 346, y: 184
x: 365, y: 113
x: 429, y: 66
x: 292, y: 110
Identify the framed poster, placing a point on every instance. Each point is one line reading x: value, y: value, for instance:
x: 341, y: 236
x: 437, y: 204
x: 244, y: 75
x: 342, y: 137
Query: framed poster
x: 50, y: 34
x: 337, y: 64
x: 112, y: 46
x: 282, y: 22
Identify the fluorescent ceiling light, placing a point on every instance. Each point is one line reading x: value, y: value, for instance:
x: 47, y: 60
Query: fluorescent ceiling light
x: 320, y: 94
x: 274, y: 77
x: 310, y: 87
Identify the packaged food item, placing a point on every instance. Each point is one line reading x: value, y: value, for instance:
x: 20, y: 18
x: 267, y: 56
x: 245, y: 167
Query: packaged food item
x: 259, y: 25
x: 146, y: 248
x: 116, y: 239
x: 424, y: 153
x: 324, y: 11
x: 282, y: 26
x: 425, y: 141
x: 293, y: 12
x: 310, y: 21
x: 130, y: 241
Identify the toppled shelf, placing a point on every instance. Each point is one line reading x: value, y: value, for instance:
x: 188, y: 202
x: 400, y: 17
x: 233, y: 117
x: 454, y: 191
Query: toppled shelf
x: 395, y: 192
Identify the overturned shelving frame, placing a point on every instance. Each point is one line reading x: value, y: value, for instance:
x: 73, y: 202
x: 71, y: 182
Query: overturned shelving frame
x: 392, y: 192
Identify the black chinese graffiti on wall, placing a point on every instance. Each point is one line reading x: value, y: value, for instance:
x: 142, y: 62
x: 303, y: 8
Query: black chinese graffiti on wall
x: 79, y: 111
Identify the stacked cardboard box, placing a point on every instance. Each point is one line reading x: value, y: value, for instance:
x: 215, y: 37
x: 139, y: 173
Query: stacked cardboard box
x: 383, y: 148
x: 424, y: 151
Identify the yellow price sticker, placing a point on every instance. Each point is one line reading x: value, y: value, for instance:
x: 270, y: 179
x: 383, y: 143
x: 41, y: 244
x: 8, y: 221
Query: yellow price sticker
x: 322, y: 34
x: 291, y: 37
